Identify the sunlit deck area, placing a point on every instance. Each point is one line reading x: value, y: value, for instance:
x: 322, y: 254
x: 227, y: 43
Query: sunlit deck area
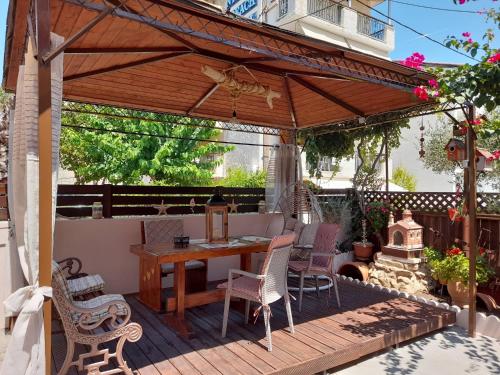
x: 325, y: 336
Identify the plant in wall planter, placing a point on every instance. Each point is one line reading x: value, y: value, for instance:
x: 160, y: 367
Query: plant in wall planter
x: 363, y: 249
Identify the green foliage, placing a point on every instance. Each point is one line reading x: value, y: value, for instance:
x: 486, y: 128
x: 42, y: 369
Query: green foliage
x: 454, y: 266
x: 377, y: 213
x: 103, y: 156
x: 344, y: 144
x: 403, y: 178
x: 436, y: 160
x: 240, y: 177
x: 478, y: 84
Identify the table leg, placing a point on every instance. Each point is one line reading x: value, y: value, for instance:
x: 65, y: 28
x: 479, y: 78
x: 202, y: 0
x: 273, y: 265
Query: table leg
x: 246, y: 262
x: 150, y: 282
x: 176, y: 321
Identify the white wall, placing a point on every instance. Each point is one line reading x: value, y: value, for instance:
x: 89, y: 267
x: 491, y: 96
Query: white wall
x: 103, y: 245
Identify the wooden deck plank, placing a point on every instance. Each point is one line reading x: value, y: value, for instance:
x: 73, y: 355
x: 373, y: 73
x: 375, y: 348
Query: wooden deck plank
x: 326, y: 336
x: 276, y: 359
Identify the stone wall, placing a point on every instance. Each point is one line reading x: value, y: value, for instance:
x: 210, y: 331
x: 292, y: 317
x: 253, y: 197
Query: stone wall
x: 398, y: 274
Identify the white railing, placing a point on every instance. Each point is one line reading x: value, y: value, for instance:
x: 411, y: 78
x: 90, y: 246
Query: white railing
x: 371, y: 27
x: 282, y: 8
x: 326, y: 10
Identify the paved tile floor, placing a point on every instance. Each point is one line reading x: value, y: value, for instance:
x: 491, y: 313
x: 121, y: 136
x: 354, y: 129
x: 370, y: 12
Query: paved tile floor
x: 448, y: 352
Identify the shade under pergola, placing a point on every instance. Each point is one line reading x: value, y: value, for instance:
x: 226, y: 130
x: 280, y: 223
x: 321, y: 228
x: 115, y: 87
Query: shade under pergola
x: 149, y: 54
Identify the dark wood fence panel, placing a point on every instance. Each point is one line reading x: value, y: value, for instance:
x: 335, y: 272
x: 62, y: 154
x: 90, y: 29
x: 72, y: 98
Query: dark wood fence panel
x: 4, y: 211
x: 123, y: 200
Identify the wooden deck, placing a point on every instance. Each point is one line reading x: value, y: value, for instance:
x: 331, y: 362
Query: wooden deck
x: 325, y: 337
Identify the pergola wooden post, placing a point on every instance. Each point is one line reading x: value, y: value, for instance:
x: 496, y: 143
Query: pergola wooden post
x: 470, y: 219
x: 45, y: 166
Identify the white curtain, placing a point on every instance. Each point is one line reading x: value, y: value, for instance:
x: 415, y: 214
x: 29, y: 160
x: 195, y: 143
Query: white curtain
x: 26, y: 351
x: 284, y: 169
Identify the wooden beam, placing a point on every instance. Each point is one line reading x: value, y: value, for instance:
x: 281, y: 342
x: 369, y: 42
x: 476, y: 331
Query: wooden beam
x: 50, y: 55
x: 121, y: 50
x: 115, y: 68
x: 45, y: 218
x: 471, y: 200
x: 200, y: 101
x: 328, y: 96
x: 289, y: 100
x: 170, y: 34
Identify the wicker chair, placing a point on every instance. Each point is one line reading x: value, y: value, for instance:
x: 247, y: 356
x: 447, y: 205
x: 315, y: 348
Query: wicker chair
x: 320, y: 262
x: 267, y: 287
x: 93, y: 322
x: 79, y: 283
x: 164, y: 231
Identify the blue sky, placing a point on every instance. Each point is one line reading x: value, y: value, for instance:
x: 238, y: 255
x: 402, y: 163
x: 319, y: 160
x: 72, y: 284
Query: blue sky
x: 437, y: 24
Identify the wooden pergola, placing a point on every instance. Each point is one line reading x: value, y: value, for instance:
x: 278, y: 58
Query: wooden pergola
x: 149, y: 55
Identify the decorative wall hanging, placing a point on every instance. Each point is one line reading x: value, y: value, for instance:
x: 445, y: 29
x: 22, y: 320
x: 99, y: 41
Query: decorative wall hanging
x: 421, y: 153
x: 162, y: 208
x: 192, y: 204
x: 226, y: 78
x: 233, y: 207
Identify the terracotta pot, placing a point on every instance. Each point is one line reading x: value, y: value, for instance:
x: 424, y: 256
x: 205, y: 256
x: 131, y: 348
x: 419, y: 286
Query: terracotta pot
x: 454, y: 215
x: 363, y: 250
x: 459, y: 293
x: 443, y: 282
x: 356, y: 270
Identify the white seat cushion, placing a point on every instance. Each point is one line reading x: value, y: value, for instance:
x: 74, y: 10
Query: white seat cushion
x: 190, y: 265
x: 96, y: 302
x: 86, y: 284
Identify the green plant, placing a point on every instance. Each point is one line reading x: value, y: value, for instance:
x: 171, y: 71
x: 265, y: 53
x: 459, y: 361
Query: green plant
x: 377, y: 213
x: 240, y: 177
x: 454, y: 266
x: 121, y: 149
x: 403, y: 178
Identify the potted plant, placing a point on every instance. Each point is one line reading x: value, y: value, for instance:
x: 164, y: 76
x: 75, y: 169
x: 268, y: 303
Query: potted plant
x: 377, y: 214
x: 363, y: 249
x: 434, y: 259
x: 454, y: 267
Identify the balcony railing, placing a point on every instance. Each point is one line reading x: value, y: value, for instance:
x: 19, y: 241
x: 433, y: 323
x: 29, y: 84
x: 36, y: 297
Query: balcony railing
x: 326, y: 10
x: 282, y: 8
x: 371, y: 27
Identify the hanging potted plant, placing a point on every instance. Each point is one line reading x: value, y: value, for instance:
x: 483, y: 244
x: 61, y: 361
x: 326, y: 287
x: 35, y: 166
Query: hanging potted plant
x: 363, y: 249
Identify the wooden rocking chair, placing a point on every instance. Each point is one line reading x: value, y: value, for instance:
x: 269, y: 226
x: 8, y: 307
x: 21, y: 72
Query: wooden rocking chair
x: 93, y: 322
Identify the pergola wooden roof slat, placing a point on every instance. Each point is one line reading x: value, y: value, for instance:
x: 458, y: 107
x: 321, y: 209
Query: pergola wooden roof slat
x: 148, y: 54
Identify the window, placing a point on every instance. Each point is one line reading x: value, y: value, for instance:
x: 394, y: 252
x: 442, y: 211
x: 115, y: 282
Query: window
x: 282, y: 8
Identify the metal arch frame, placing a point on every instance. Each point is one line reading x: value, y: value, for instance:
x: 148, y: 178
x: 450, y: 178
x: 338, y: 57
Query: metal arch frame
x: 213, y: 28
x: 384, y: 118
x: 100, y: 110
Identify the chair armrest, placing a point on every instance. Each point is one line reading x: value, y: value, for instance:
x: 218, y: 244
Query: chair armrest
x: 71, y: 265
x: 111, y: 308
x: 322, y: 255
x: 244, y: 273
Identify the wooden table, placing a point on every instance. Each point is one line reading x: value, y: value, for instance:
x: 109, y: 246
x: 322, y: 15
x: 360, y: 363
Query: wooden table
x: 153, y: 256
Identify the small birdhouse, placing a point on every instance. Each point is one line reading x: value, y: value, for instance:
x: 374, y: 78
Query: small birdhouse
x: 484, y: 160
x: 455, y: 150
x: 216, y: 218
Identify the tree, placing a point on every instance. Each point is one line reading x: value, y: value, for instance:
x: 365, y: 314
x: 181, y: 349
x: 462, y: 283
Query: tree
x: 403, y: 178
x: 240, y: 177
x: 6, y: 102
x: 121, y: 149
x: 436, y: 160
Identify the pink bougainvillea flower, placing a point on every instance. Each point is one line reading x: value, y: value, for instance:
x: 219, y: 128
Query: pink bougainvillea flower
x: 494, y: 58
x: 433, y: 83
x: 462, y: 2
x: 496, y: 154
x: 421, y: 92
x: 466, y: 34
x: 475, y: 122
x: 470, y: 40
x: 414, y: 61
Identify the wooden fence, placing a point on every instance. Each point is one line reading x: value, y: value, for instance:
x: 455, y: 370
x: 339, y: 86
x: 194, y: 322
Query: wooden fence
x: 122, y: 200
x: 429, y: 209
